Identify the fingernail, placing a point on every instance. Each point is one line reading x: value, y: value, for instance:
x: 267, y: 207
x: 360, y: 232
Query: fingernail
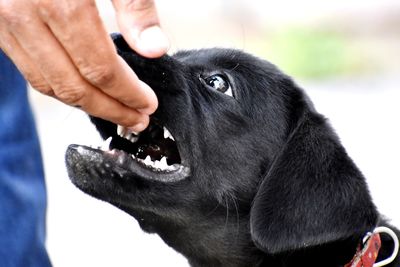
x: 153, y: 41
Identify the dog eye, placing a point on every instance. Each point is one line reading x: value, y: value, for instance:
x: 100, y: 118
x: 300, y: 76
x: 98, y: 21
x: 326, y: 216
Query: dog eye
x: 220, y: 83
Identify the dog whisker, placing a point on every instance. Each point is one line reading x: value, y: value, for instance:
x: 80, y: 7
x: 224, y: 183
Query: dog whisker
x: 213, y: 210
x: 237, y: 213
x: 227, y: 212
x: 236, y: 66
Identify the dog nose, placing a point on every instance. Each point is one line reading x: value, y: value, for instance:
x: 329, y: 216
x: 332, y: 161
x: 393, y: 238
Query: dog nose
x: 120, y: 43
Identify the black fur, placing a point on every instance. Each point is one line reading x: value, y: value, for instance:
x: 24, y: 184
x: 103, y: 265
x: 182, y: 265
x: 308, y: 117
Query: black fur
x: 270, y: 183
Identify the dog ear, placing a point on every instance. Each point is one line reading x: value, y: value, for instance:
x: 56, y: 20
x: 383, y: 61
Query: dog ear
x: 313, y: 193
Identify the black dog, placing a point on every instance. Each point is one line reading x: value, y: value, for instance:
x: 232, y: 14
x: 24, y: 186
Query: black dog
x: 236, y: 169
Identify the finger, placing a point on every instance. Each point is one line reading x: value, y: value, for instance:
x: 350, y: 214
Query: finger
x: 23, y: 62
x: 68, y: 85
x: 104, y: 107
x: 79, y: 29
x: 139, y: 24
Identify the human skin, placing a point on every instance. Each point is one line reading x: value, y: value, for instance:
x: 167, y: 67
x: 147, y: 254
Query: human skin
x: 63, y: 50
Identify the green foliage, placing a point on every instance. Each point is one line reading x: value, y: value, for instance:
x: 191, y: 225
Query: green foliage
x: 312, y: 54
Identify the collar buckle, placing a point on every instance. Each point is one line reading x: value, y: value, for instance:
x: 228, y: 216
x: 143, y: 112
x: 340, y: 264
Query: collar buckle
x: 367, y: 254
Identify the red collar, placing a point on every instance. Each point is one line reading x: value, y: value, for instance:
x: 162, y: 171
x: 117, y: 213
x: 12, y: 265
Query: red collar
x: 366, y: 255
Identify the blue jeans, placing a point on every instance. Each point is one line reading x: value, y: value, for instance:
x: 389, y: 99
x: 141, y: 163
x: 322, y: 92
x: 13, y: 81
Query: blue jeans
x: 22, y: 187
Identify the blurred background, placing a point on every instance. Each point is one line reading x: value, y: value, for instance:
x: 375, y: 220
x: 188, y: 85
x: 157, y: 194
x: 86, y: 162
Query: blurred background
x: 344, y: 53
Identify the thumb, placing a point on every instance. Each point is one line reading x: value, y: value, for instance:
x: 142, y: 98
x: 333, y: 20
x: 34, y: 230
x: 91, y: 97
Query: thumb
x: 139, y: 24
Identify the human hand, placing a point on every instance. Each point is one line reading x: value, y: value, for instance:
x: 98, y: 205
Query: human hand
x: 63, y: 50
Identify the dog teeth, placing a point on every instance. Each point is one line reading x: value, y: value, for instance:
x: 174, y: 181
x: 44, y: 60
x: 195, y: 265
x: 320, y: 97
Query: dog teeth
x: 160, y: 165
x: 121, y: 130
x: 156, y: 164
x: 148, y: 161
x: 133, y: 138
x: 127, y: 134
x: 163, y: 163
x: 106, y: 144
x: 124, y: 132
x: 167, y: 134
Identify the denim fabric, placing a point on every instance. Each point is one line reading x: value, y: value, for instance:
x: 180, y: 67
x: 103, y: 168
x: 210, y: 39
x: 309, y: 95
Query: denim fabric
x: 22, y: 187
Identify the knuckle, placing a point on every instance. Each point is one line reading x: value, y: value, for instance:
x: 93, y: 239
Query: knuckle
x: 74, y: 8
x: 46, y: 8
x: 101, y: 75
x: 43, y: 89
x: 65, y: 10
x: 37, y: 82
x: 14, y: 14
x: 71, y: 95
x: 41, y: 86
x: 8, y: 15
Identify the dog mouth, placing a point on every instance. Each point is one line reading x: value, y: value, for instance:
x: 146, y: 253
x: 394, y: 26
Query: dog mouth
x: 153, y: 154
x: 155, y: 148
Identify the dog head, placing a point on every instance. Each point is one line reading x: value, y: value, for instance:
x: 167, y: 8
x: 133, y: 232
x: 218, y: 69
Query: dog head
x: 250, y: 162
